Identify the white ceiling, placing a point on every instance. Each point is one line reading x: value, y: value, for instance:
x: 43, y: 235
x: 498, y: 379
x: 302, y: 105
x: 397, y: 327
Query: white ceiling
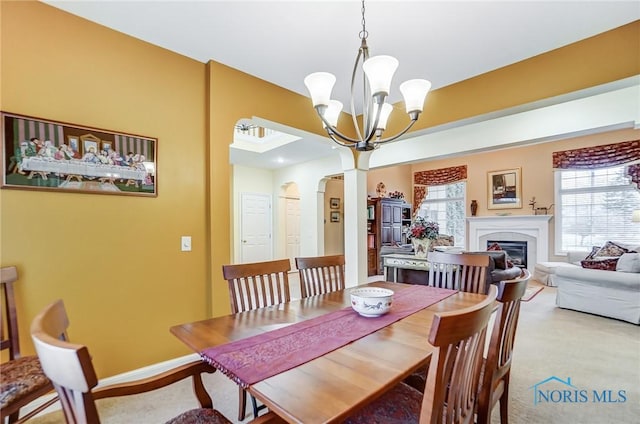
x: 283, y: 41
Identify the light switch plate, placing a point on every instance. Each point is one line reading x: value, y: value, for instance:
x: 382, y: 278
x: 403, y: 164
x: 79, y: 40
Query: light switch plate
x: 185, y: 244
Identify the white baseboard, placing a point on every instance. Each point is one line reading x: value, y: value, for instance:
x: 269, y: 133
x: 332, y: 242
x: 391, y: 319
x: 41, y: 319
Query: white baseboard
x: 136, y: 374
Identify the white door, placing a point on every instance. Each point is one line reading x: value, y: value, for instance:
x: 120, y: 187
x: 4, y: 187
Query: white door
x: 255, y: 232
x: 292, y: 228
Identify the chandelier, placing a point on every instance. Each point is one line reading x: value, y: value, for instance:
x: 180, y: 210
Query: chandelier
x: 379, y: 72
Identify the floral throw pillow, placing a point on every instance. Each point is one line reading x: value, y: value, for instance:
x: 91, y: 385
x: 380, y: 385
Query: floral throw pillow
x: 494, y: 246
x: 610, y: 249
x: 593, y: 252
x: 606, y: 264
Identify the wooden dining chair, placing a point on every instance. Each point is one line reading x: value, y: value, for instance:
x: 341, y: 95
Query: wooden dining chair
x: 258, y: 284
x: 70, y: 368
x: 458, y: 271
x: 494, y: 386
x: 251, y: 286
x: 454, y: 373
x: 22, y: 379
x: 320, y: 274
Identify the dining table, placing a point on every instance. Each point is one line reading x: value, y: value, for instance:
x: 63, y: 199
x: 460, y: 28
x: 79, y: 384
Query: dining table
x: 328, y: 386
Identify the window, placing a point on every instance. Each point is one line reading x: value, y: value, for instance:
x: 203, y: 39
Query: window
x: 444, y: 204
x: 594, y: 206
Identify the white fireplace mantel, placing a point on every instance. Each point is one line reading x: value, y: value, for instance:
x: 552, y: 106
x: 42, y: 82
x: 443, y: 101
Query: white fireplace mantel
x: 535, y: 226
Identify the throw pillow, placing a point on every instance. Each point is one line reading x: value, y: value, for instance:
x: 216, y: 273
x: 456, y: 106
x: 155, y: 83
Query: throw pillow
x: 496, y: 247
x: 629, y: 262
x: 610, y: 249
x: 499, y: 258
x: 606, y: 264
x: 593, y: 252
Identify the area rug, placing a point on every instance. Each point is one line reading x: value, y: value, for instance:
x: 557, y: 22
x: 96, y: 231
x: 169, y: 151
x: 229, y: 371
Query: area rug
x: 531, y: 292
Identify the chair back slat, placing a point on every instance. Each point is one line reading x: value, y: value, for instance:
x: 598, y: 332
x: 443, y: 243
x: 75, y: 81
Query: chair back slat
x: 458, y: 271
x: 320, y: 274
x: 258, y: 284
x: 498, y: 363
x: 454, y: 371
x: 9, y: 315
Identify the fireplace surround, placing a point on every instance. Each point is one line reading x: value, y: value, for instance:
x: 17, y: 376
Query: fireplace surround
x: 534, y: 229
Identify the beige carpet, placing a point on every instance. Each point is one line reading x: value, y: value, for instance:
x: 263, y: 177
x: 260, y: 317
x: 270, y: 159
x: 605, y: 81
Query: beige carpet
x: 596, y: 353
x: 533, y: 289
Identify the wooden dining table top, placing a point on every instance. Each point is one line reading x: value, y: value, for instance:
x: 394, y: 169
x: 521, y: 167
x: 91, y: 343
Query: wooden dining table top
x: 331, y: 387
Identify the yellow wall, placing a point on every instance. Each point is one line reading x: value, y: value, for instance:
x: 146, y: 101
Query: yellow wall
x: 115, y: 260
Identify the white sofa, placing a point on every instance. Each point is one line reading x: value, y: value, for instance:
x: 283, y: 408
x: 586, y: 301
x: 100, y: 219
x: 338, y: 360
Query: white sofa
x: 613, y: 294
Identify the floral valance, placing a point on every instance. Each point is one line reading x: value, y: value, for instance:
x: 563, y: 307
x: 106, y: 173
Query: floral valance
x: 422, y: 179
x: 602, y: 157
x: 598, y: 156
x: 440, y: 176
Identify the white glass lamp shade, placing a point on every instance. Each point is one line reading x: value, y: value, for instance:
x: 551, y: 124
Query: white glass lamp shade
x: 384, y: 115
x: 635, y: 217
x: 332, y: 113
x: 320, y: 85
x: 379, y: 71
x: 414, y: 92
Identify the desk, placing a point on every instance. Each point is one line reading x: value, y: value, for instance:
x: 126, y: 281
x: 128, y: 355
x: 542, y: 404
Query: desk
x: 405, y: 269
x: 333, y: 386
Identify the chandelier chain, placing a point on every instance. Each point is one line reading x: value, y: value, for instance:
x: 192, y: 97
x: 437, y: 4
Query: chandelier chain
x: 363, y: 34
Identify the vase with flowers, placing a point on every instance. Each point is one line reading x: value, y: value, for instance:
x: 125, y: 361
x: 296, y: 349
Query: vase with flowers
x: 423, y: 232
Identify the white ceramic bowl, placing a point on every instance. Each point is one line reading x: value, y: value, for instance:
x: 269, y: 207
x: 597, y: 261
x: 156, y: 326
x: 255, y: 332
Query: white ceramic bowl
x: 371, y: 301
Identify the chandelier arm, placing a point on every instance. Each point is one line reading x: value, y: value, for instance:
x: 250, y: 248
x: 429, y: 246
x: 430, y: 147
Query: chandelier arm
x: 400, y: 134
x: 339, y: 142
x: 333, y: 130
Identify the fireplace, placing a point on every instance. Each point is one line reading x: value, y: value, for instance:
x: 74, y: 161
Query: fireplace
x: 517, y: 251
x: 534, y: 229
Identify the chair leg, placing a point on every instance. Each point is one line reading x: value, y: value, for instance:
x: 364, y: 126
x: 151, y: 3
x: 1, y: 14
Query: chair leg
x: 242, y: 403
x: 483, y: 409
x: 254, y: 404
x: 504, y: 401
x: 14, y: 417
x: 256, y: 408
x: 201, y: 392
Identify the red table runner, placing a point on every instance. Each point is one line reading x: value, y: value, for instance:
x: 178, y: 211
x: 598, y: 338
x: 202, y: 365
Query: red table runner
x: 256, y: 358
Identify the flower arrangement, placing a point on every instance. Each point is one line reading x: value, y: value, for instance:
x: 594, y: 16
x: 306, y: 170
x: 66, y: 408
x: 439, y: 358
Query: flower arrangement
x: 422, y: 228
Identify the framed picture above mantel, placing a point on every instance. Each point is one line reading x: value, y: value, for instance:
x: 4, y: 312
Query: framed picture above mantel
x: 504, y: 189
x: 45, y: 155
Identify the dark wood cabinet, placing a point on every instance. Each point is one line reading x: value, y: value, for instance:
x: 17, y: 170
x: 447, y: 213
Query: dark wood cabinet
x: 396, y: 218
x: 388, y: 221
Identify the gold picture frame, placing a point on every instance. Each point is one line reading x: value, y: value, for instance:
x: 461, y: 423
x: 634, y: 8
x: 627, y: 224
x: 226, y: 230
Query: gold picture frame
x: 504, y: 189
x: 45, y: 155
